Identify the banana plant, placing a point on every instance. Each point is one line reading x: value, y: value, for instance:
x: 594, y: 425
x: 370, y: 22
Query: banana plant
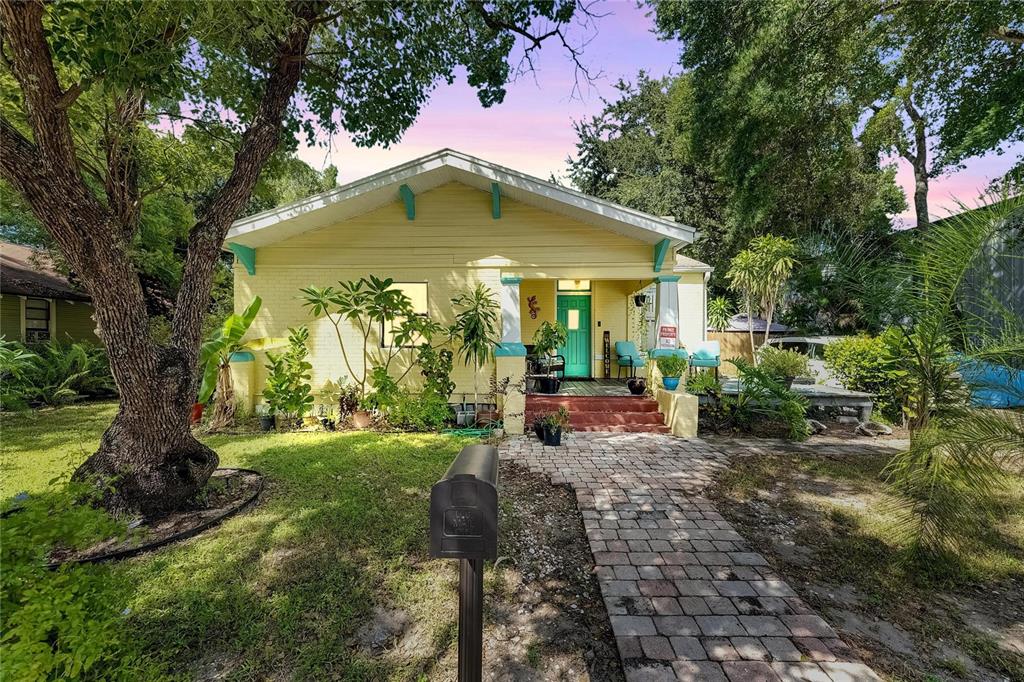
x: 215, y: 359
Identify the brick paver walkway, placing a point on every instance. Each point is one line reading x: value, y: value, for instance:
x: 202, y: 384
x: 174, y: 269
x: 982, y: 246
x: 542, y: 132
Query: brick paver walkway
x: 687, y: 599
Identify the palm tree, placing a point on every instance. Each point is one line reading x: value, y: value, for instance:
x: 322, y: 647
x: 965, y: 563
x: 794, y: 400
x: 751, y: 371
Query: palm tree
x: 941, y: 298
x: 720, y: 311
x: 759, y: 273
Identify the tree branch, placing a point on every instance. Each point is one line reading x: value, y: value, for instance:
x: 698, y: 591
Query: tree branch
x: 536, y: 40
x: 258, y: 142
x: 1007, y: 35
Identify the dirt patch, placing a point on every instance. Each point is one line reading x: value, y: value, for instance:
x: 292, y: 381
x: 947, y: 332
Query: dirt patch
x: 807, y: 521
x: 544, y: 618
x: 226, y: 493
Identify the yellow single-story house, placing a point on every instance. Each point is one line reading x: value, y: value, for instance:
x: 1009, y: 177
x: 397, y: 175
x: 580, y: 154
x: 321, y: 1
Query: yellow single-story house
x: 38, y: 303
x: 440, y: 224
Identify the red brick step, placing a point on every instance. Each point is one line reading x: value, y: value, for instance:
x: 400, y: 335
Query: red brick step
x: 630, y: 414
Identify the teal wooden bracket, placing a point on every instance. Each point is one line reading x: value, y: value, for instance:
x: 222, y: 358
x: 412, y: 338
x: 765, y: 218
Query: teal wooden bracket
x: 242, y: 356
x: 246, y: 255
x: 510, y: 350
x: 410, y: 201
x: 495, y: 201
x: 511, y: 280
x: 660, y: 251
x: 667, y: 278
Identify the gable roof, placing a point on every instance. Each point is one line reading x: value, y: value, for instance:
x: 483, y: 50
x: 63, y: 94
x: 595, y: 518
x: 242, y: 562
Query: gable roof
x: 25, y: 271
x: 433, y: 170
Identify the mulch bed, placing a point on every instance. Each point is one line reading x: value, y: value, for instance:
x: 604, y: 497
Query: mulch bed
x: 228, y: 492
x: 544, y: 617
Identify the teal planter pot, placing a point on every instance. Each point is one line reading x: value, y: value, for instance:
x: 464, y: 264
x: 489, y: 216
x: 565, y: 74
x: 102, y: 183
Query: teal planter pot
x: 670, y: 383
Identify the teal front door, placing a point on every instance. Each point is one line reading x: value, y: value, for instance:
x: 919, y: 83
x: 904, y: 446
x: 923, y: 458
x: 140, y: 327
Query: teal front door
x: 574, y: 313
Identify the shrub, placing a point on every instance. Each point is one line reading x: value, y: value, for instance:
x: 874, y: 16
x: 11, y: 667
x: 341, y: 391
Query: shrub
x: 425, y: 411
x: 763, y: 397
x: 702, y: 383
x: 436, y: 367
x: 873, y: 364
x: 64, y: 623
x: 782, y: 364
x: 671, y: 366
x: 288, y: 391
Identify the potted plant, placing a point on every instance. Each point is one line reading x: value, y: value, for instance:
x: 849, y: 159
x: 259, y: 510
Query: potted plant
x: 363, y: 417
x: 476, y: 328
x: 546, y: 340
x: 782, y: 365
x: 267, y: 418
x: 637, y: 385
x: 671, y: 368
x: 554, y: 424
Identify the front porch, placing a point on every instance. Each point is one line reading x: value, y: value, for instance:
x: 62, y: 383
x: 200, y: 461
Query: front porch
x: 663, y: 312
x: 604, y: 388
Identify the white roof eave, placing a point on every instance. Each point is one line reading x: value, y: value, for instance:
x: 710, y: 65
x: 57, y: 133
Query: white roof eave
x: 446, y: 165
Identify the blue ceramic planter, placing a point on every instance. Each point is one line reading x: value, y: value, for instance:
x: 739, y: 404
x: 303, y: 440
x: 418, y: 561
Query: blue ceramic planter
x: 670, y: 383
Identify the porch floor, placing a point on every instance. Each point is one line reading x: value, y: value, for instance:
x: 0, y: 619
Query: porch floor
x: 609, y: 388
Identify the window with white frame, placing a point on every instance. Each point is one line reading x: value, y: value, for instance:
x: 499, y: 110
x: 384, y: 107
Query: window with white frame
x: 417, y: 293
x: 37, y: 320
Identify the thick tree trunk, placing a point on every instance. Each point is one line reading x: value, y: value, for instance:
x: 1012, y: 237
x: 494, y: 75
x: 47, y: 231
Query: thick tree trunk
x: 148, y: 461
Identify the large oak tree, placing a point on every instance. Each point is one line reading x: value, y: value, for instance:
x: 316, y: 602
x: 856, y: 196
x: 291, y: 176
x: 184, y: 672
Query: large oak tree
x: 75, y: 72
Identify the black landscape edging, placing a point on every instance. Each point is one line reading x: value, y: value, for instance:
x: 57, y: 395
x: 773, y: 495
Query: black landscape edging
x: 185, y: 535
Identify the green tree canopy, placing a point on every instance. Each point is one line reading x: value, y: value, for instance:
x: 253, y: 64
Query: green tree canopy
x: 655, y: 150
x: 831, y: 86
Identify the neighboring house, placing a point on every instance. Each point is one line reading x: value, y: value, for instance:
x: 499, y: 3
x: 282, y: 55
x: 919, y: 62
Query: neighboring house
x: 440, y: 224
x: 37, y: 303
x: 995, y: 286
x: 734, y: 340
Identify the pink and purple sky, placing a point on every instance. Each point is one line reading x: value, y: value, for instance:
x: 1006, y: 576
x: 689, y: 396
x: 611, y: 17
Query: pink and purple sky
x: 532, y: 130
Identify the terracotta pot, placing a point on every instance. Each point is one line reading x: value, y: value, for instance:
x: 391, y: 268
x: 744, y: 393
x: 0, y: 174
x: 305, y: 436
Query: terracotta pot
x: 361, y: 419
x: 196, y: 415
x: 485, y: 417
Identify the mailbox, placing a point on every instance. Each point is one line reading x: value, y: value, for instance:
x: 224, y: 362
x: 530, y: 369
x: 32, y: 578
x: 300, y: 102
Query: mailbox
x: 464, y: 507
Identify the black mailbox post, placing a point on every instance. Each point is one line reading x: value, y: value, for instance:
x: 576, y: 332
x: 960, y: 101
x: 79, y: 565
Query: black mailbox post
x: 464, y: 526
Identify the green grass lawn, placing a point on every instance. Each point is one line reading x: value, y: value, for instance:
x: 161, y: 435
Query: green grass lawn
x: 279, y: 591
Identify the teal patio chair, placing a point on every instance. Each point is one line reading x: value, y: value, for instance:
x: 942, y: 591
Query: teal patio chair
x: 628, y: 356
x: 707, y: 354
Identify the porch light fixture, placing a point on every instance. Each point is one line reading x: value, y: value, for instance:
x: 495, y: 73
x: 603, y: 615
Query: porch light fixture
x: 640, y: 300
x: 574, y: 285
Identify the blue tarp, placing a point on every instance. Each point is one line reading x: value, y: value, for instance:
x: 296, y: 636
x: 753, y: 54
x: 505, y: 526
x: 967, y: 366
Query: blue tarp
x: 993, y: 385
